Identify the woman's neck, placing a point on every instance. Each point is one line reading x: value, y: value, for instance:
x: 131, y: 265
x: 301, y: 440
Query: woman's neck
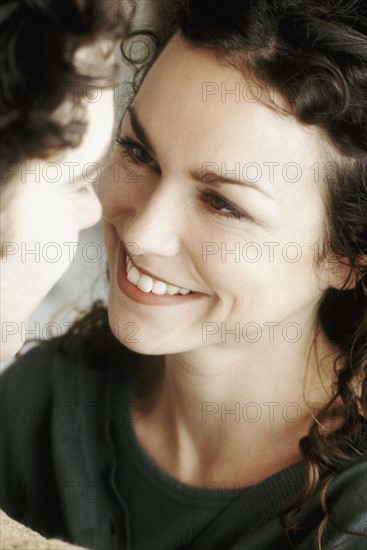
x: 212, y: 407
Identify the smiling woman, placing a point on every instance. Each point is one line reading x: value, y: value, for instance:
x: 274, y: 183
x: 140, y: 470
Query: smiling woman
x: 220, y: 403
x: 170, y: 214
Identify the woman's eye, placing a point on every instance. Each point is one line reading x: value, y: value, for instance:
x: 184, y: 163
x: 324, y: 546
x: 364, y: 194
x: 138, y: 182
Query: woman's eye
x: 134, y: 151
x: 218, y: 203
x: 220, y: 207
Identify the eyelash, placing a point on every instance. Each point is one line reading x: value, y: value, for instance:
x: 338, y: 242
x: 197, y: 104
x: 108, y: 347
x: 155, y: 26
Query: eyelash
x: 128, y: 146
x: 207, y: 196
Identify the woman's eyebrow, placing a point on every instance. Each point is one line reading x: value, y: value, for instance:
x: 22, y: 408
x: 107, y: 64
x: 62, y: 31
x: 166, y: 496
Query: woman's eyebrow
x: 139, y: 131
x: 199, y: 174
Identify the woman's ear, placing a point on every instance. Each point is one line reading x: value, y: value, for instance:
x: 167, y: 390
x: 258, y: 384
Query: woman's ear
x: 342, y: 275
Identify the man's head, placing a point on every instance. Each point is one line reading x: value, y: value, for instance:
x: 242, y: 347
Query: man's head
x: 56, y: 121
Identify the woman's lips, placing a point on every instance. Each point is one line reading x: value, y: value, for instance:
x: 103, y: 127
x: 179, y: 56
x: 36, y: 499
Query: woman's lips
x: 133, y: 292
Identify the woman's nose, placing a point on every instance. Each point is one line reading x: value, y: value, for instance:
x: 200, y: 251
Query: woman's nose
x: 154, y: 225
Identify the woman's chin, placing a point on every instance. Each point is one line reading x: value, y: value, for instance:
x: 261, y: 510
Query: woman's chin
x: 145, y: 339
x: 144, y: 346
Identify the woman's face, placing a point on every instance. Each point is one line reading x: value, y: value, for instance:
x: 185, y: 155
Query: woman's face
x: 215, y: 193
x: 44, y: 206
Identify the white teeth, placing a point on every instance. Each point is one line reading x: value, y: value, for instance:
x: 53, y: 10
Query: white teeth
x: 184, y: 291
x: 148, y: 284
x: 133, y: 276
x: 159, y: 287
x: 145, y: 283
x: 171, y: 290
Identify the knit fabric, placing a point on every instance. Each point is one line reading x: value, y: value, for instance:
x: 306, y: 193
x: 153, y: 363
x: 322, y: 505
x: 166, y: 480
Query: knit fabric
x: 14, y: 536
x: 72, y: 418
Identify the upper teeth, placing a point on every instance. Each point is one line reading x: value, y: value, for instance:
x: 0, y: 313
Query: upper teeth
x: 148, y: 284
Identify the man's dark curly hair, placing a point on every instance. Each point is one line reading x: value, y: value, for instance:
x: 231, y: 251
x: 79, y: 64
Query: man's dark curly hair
x: 38, y: 41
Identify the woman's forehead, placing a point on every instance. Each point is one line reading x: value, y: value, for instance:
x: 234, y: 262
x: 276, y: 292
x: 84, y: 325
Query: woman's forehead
x: 194, y: 105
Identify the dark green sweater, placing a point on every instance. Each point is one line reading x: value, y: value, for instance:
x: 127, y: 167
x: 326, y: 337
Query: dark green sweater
x: 71, y: 468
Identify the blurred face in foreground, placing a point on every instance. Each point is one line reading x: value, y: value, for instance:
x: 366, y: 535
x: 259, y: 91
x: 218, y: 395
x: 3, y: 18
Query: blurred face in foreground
x: 216, y: 218
x: 45, y: 203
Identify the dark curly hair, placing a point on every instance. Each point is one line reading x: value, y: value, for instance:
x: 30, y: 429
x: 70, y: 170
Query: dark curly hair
x: 314, y: 52
x: 38, y: 41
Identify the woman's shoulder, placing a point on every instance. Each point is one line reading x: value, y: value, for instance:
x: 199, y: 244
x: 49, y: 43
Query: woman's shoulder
x: 31, y: 374
x: 57, y: 372
x: 347, y: 493
x: 34, y: 373
x: 345, y: 504
x: 88, y: 346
